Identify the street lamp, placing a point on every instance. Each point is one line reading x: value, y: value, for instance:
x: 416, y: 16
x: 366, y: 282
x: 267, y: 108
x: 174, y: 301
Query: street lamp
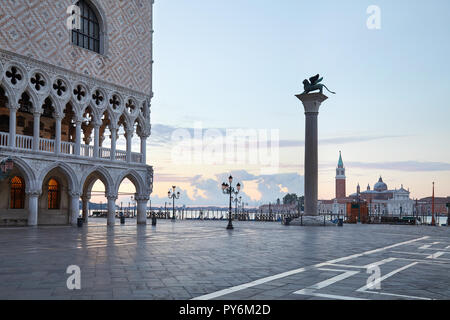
x: 228, y: 189
x: 172, y: 195
x: 237, y: 202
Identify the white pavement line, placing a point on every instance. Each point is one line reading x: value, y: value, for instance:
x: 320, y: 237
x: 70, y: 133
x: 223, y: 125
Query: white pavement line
x: 426, y: 246
x: 346, y: 274
x: 398, y: 295
x: 390, y: 274
x: 421, y: 254
x: 373, y: 264
x: 332, y: 296
x: 295, y: 271
x: 378, y: 263
x: 435, y: 255
x: 439, y: 261
x: 416, y: 253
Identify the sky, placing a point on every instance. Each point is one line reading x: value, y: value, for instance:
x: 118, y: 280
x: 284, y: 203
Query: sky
x: 237, y: 64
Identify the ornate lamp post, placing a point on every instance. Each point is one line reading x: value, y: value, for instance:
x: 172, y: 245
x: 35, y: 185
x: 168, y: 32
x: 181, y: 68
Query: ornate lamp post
x: 228, y: 189
x: 172, y: 195
x: 237, y: 202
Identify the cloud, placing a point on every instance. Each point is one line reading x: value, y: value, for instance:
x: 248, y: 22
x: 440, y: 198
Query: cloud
x: 410, y: 166
x: 207, y: 191
x: 162, y: 136
x: 288, y: 143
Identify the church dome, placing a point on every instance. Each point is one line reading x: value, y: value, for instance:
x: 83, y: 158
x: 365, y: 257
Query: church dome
x: 380, y: 185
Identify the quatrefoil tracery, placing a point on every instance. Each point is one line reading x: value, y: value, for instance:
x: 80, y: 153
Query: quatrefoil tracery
x: 130, y: 106
x: 115, y: 102
x: 59, y: 87
x: 79, y: 92
x: 14, y: 75
x: 37, y: 81
x: 97, y: 96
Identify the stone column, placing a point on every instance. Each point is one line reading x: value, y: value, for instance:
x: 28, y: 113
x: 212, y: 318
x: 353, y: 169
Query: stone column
x: 129, y: 135
x: 58, y: 119
x: 113, y: 142
x: 85, y: 200
x: 311, y: 103
x: 12, y: 127
x: 97, y: 138
x: 33, y: 198
x: 36, y: 130
x: 78, y: 137
x: 144, y: 149
x: 74, y: 207
x: 141, y: 209
x: 111, y: 209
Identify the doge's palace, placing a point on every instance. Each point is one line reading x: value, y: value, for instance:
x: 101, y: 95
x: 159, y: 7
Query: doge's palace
x: 67, y: 94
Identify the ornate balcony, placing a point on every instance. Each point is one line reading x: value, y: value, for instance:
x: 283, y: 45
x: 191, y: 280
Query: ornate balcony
x: 47, y: 146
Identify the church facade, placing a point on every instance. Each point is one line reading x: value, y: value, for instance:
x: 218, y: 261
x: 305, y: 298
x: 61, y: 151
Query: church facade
x: 380, y: 200
x: 75, y: 92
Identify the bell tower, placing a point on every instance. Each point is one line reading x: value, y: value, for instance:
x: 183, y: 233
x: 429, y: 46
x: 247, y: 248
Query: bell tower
x: 340, y: 179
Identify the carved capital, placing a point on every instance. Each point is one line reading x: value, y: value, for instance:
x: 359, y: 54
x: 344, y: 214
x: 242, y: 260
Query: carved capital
x: 74, y: 194
x: 86, y: 197
x: 13, y: 106
x: 33, y: 193
x: 140, y: 198
x: 111, y: 196
x: 97, y: 123
x: 129, y: 133
x: 37, y: 113
x: 58, y: 116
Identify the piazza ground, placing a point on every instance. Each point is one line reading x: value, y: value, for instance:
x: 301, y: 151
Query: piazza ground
x: 202, y: 260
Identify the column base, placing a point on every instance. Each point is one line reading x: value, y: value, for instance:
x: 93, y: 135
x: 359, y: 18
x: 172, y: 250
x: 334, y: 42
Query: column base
x: 316, y: 221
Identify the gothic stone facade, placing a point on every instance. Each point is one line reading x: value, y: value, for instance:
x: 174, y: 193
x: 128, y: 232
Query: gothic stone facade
x: 60, y: 100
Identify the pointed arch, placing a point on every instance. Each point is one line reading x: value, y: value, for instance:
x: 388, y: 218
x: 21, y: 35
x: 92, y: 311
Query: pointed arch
x: 134, y: 177
x: 28, y: 173
x: 94, y: 174
x: 8, y: 92
x: 67, y: 170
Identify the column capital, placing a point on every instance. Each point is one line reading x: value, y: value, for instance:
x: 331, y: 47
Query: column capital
x: 33, y: 193
x: 140, y: 198
x: 311, y: 101
x: 86, y: 197
x: 97, y: 124
x: 58, y: 116
x: 37, y: 113
x: 111, y: 196
x: 14, y: 106
x: 74, y: 194
x: 129, y: 133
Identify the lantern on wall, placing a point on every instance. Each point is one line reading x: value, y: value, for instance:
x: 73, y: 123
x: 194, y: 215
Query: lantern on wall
x: 6, y: 167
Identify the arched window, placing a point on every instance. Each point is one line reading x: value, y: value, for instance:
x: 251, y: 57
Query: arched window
x: 53, y: 194
x: 17, y: 193
x: 88, y: 36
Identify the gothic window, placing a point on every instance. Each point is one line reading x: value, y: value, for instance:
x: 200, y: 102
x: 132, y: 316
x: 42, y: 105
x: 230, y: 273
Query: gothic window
x: 25, y: 104
x: 53, y: 194
x: 88, y: 36
x: 17, y: 193
x: 47, y: 108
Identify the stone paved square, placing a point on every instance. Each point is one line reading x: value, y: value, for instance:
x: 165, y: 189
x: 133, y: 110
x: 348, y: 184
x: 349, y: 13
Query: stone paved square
x: 202, y: 260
